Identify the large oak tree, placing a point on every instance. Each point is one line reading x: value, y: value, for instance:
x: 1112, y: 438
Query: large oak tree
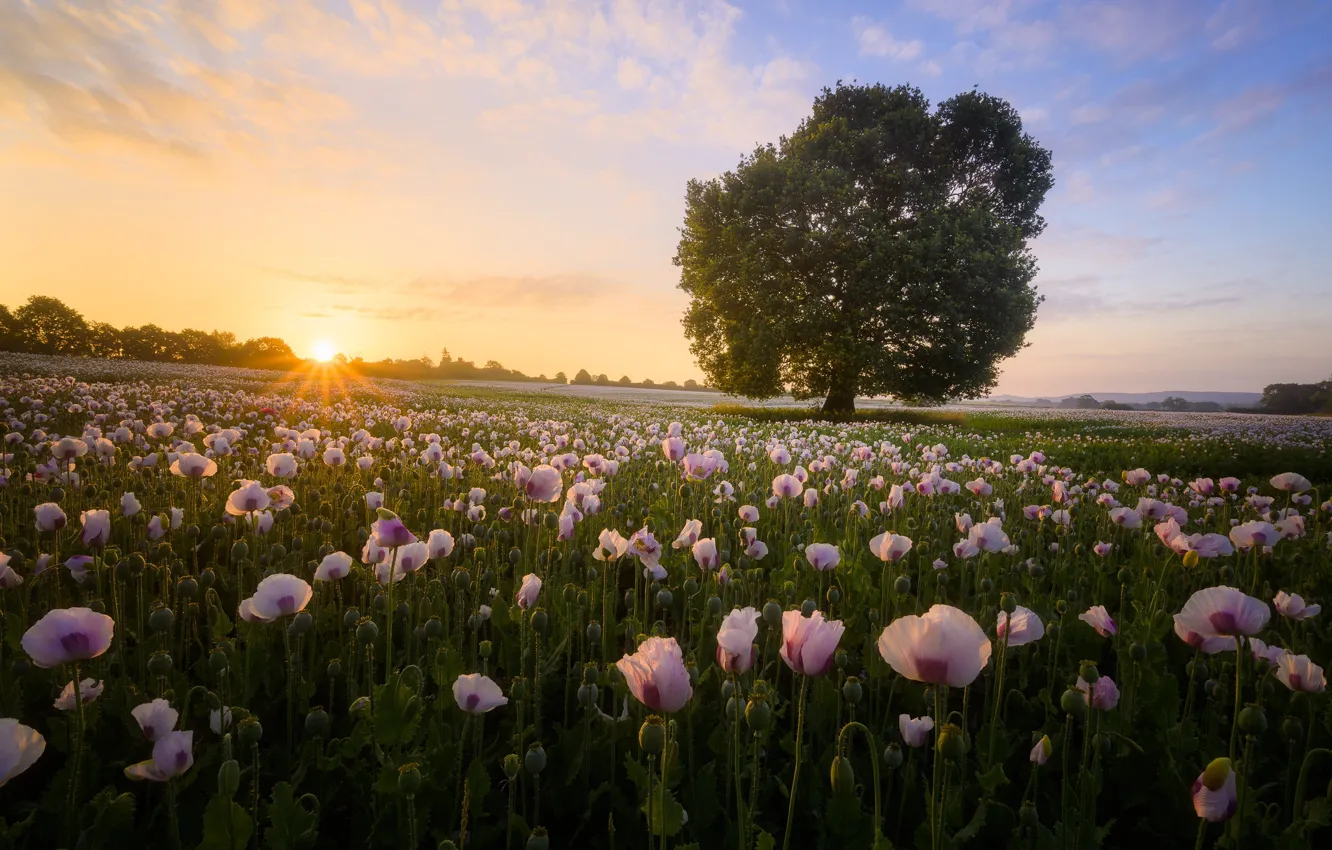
x: 882, y: 249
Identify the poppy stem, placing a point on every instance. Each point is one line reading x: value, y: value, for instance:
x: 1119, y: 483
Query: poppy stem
x: 1234, y: 721
x: 795, y: 776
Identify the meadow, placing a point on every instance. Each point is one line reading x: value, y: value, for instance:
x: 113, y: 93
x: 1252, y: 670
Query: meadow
x: 251, y: 609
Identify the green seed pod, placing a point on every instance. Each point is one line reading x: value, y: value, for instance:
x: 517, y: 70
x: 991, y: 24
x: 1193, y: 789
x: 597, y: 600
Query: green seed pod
x: 540, y: 620
x: 1027, y: 814
x: 1137, y: 652
x: 350, y: 617
x: 228, y: 778
x: 240, y: 550
x: 486, y: 648
x: 902, y: 585
x: 652, y: 735
x: 986, y: 586
x: 808, y: 607
x: 591, y: 674
x: 515, y: 556
x: 1008, y: 603
x: 690, y: 587
x: 409, y: 779
x: 1073, y: 702
x: 518, y: 689
x: 535, y: 760
x: 539, y: 839
x: 250, y: 732
x: 893, y: 756
x: 434, y: 627
x: 1252, y: 721
x: 594, y: 632
x: 300, y: 624
x: 588, y: 695
x: 277, y: 552
x: 1124, y: 575
x: 512, y: 764
x: 161, y: 619
x: 462, y: 579
x: 97, y: 606
x: 952, y: 744
x: 852, y: 690
x: 159, y: 663
x: 1089, y: 673
x: 366, y: 632
x: 758, y: 714
x: 188, y: 587
x: 207, y: 577
x: 665, y: 598
x: 335, y: 668
x: 714, y: 606
x: 772, y: 613
x: 316, y: 723
x: 1292, y: 729
x: 217, y: 661
x: 840, y: 659
x: 843, y: 778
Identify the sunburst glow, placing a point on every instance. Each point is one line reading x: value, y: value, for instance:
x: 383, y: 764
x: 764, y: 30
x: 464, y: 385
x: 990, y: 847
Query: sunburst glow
x: 324, y: 351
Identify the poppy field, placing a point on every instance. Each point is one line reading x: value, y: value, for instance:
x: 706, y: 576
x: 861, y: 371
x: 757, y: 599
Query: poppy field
x: 242, y: 609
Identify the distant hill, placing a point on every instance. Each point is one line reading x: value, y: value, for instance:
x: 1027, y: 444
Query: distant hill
x: 1225, y: 399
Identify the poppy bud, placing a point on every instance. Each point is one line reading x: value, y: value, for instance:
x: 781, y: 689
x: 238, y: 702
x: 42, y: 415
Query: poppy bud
x: 842, y: 776
x: 512, y: 765
x: 228, y: 778
x: 518, y: 689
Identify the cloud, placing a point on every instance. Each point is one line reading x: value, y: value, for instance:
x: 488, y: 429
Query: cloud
x: 875, y: 40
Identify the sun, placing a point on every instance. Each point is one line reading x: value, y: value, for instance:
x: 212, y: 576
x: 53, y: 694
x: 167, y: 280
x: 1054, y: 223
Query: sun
x: 324, y: 351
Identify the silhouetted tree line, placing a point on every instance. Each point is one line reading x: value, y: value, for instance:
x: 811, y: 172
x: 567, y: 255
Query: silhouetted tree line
x: 46, y: 325
x: 1298, y: 398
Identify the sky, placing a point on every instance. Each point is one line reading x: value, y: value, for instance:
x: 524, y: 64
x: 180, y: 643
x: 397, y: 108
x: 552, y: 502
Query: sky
x: 505, y: 178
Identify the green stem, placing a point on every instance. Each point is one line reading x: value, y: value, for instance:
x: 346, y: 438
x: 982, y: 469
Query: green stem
x: 795, y: 776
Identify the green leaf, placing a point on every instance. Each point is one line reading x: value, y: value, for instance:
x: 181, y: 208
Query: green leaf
x: 226, y: 826
x: 293, y: 822
x: 765, y: 841
x: 478, y: 786
x: 667, y: 813
x: 115, y: 815
x: 397, y: 712
x: 992, y: 780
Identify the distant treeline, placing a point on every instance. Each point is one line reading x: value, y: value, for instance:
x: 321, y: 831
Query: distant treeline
x: 46, y: 325
x: 1290, y: 399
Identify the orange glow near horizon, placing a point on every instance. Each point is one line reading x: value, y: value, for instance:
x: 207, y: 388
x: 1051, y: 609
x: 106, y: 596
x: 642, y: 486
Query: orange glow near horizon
x: 324, y: 351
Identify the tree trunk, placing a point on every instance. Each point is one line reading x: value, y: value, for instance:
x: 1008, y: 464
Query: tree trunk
x: 841, y: 400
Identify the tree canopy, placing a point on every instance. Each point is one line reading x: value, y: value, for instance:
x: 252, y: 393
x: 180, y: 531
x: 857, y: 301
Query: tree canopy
x: 881, y: 249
